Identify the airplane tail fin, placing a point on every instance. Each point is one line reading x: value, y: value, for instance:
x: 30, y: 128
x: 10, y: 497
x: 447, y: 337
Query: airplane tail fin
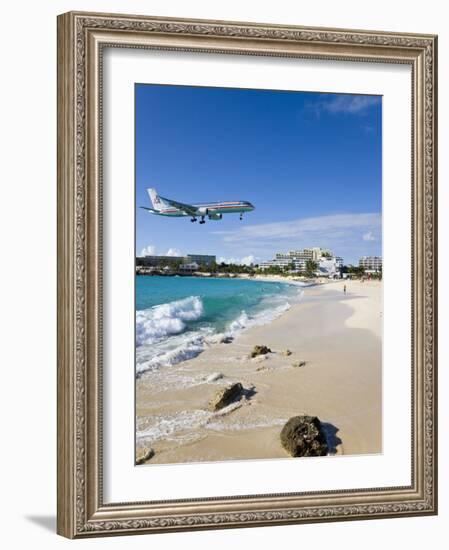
x: 157, y: 201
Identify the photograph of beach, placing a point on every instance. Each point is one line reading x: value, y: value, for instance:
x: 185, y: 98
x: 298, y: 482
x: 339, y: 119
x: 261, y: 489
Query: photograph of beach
x: 258, y: 274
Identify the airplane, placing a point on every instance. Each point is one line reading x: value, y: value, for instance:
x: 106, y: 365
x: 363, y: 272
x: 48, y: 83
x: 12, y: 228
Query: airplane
x: 213, y: 210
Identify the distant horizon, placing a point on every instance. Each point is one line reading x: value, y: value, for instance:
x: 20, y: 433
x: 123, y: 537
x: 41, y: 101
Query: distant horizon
x: 311, y: 163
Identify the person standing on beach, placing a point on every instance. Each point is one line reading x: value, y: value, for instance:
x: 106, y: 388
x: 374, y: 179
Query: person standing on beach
x: 344, y: 289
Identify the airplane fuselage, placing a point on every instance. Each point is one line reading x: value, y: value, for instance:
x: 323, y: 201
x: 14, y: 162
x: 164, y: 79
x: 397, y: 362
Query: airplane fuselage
x: 206, y: 209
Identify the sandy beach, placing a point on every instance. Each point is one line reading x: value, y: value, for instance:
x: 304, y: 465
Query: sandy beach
x: 336, y: 335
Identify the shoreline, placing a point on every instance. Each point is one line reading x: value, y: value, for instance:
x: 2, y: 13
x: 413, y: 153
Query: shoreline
x: 338, y: 337
x: 288, y: 279
x: 235, y: 326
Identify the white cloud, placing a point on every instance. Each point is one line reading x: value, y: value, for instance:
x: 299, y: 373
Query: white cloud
x: 318, y: 227
x: 369, y: 236
x: 149, y: 250
x: 343, y: 104
x: 173, y: 252
x: 248, y: 260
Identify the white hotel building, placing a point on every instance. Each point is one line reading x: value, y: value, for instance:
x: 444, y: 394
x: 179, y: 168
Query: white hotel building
x: 328, y: 264
x: 371, y: 263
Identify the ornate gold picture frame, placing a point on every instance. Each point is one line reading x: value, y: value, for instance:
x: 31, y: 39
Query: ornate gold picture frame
x: 82, y: 39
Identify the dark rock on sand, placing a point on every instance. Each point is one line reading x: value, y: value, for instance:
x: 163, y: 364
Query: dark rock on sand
x: 226, y: 396
x: 287, y: 352
x: 259, y: 350
x: 146, y: 455
x: 304, y: 436
x: 300, y: 364
x: 227, y: 340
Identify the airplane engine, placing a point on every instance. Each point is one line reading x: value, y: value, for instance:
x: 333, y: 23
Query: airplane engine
x: 202, y: 211
x: 215, y: 216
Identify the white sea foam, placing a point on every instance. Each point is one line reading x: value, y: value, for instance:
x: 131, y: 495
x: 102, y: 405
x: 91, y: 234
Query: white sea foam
x: 166, y: 319
x: 189, y: 425
x: 245, y: 321
x: 174, y: 426
x: 172, y: 351
x: 213, y: 377
x: 164, y: 380
x: 170, y: 426
x: 241, y: 425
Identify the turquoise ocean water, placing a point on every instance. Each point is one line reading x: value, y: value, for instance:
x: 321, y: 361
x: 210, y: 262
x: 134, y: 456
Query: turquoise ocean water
x: 176, y: 317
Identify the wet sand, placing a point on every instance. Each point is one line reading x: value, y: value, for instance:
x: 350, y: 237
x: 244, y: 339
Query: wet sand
x: 337, y: 335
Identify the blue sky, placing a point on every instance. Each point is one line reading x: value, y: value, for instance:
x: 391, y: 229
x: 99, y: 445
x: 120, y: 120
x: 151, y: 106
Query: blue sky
x: 309, y: 162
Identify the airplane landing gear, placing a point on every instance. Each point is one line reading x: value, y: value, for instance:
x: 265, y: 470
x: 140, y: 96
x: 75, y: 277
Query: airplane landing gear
x: 241, y: 216
x: 193, y: 220
x: 202, y: 220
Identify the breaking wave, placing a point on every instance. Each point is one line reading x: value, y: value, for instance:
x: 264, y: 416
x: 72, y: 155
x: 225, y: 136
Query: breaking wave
x: 245, y: 321
x: 166, y: 319
x: 175, y: 350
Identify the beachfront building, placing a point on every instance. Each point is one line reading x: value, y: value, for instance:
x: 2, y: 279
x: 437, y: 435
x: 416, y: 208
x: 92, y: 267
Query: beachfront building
x: 371, y: 263
x: 201, y: 259
x: 189, y: 268
x: 297, y: 259
x: 330, y: 266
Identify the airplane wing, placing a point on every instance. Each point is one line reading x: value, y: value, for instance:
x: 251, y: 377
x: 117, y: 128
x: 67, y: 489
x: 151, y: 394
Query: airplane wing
x: 149, y: 209
x: 187, y: 208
